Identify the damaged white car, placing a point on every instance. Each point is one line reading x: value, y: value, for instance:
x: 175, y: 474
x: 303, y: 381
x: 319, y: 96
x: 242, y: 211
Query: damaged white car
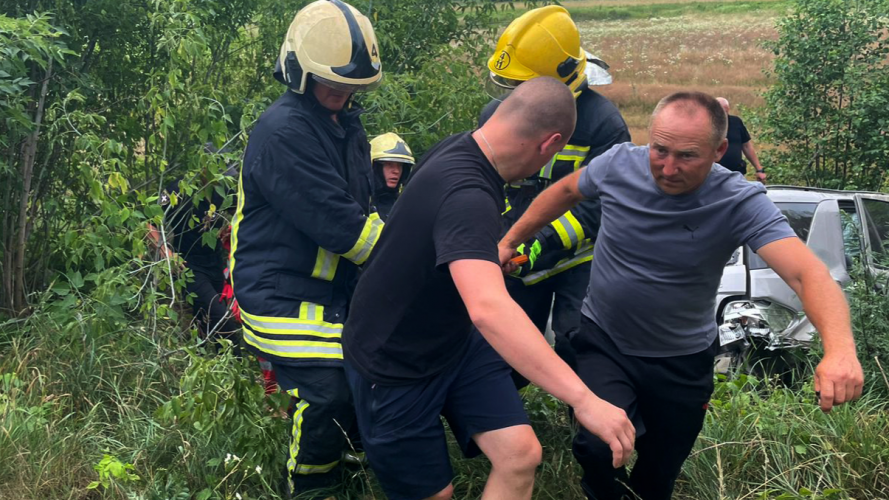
x: 761, y: 318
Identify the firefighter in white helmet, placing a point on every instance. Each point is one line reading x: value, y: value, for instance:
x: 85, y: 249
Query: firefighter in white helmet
x: 304, y: 226
x: 392, y: 161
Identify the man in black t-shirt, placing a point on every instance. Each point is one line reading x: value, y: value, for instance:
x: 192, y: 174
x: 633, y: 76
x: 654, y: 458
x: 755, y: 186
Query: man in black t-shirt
x: 410, y: 351
x: 739, y: 142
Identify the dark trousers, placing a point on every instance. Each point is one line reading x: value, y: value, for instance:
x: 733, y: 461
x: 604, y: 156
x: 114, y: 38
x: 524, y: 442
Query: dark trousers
x: 321, y: 411
x: 665, y: 398
x: 563, y: 294
x: 209, y: 311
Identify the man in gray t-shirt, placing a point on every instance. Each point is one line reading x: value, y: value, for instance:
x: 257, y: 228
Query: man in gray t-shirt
x: 671, y: 218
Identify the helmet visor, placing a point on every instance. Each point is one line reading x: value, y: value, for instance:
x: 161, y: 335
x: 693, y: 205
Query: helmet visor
x: 394, y: 159
x: 597, y: 71
x: 346, y: 87
x: 498, y: 87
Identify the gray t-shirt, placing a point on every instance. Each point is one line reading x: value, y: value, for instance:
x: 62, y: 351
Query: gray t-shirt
x: 659, y: 258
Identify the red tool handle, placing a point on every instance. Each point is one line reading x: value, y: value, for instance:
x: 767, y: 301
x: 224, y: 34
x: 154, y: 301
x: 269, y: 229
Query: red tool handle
x: 519, y: 260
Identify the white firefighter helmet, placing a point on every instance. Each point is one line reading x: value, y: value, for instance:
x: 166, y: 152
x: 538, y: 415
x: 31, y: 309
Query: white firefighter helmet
x: 335, y: 44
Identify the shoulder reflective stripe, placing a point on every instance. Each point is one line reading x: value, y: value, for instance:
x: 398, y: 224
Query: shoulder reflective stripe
x: 294, y: 348
x: 316, y: 469
x: 547, y: 171
x: 325, y: 265
x: 570, y: 153
x: 296, y: 432
x: 578, y: 259
x: 236, y: 223
x: 366, y: 241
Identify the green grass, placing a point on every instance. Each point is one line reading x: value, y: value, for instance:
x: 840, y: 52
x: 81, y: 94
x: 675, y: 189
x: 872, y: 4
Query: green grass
x: 197, y: 425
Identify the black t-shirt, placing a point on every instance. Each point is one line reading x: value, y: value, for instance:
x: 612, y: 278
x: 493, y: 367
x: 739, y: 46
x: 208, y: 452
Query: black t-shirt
x: 185, y: 234
x: 407, y: 320
x: 737, y: 136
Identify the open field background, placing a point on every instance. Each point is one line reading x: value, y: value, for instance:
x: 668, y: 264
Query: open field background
x: 695, y: 47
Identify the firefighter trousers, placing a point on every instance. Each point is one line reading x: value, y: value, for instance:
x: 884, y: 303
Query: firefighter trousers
x: 322, y: 414
x: 563, y: 294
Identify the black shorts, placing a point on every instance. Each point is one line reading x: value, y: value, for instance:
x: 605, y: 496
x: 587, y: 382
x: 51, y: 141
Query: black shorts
x: 401, y: 428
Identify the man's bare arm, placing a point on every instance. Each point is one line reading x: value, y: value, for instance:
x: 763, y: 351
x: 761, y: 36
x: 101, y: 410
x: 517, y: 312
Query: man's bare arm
x: 838, y: 377
x: 547, y: 207
x: 509, y: 331
x: 750, y: 153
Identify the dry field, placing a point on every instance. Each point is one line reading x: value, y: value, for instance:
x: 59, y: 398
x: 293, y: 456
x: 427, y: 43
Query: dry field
x: 715, y: 53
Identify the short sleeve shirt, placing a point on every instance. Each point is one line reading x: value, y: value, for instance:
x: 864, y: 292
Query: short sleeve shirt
x: 737, y: 136
x: 407, y: 320
x: 659, y: 258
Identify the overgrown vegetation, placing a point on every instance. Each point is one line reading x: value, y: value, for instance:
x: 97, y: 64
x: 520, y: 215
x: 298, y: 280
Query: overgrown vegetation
x: 106, y: 391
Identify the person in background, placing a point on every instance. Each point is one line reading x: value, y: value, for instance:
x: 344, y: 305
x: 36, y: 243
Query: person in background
x: 186, y: 221
x: 739, y: 142
x: 392, y: 161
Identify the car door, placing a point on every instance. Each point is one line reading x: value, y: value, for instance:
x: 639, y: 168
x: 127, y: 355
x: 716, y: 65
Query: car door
x: 873, y: 210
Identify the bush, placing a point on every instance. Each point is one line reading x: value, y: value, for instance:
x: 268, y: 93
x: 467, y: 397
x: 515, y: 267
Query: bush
x: 826, y: 110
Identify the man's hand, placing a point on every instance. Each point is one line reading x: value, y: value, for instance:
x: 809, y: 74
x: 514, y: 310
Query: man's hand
x: 838, y: 379
x: 507, y: 253
x: 761, y: 177
x: 610, y: 424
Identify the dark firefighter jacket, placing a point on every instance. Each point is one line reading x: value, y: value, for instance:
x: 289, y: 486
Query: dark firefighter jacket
x: 384, y: 197
x: 599, y: 127
x: 302, y: 228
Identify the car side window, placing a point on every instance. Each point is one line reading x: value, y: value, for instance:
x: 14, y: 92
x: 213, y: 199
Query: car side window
x: 851, y: 229
x: 878, y: 230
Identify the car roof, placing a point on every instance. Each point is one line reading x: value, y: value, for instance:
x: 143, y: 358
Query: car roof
x: 798, y: 194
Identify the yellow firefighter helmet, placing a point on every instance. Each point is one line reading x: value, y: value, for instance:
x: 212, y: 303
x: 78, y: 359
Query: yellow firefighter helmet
x: 390, y: 147
x: 540, y: 42
x: 335, y: 44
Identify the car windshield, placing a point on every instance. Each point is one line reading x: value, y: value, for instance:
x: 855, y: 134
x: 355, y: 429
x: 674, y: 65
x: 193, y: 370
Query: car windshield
x: 800, y: 216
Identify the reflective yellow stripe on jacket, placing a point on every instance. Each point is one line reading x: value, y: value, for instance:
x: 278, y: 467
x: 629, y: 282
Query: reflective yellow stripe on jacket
x: 569, y: 230
x: 575, y: 154
x: 325, y: 265
x: 366, y: 241
x: 307, y: 336
x: 583, y: 254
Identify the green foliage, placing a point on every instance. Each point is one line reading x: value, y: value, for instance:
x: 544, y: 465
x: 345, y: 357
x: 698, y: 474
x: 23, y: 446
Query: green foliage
x: 413, y: 33
x: 869, y: 306
x: 221, y: 399
x: 110, y: 470
x: 827, y: 108
x: 444, y: 97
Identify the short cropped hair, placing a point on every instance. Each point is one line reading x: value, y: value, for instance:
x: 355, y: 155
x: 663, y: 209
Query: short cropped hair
x: 698, y: 100
x: 540, y: 106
